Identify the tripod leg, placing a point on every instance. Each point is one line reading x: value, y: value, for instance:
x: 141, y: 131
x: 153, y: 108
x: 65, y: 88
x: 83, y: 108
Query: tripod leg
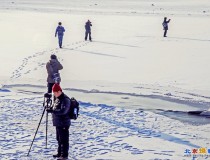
x: 49, y: 103
x: 46, y: 127
x: 36, y: 131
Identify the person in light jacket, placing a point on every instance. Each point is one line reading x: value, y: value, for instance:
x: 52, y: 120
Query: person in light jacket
x: 53, y: 67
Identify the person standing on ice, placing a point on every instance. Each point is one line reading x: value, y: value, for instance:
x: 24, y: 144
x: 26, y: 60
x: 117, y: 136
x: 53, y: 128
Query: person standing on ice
x: 53, y: 67
x: 88, y: 25
x: 61, y: 120
x: 165, y: 26
x: 60, y: 32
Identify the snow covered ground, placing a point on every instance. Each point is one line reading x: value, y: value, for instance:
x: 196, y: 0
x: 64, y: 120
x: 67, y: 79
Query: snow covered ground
x: 134, y: 86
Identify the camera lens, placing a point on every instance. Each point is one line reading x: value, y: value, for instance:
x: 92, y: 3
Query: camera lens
x: 47, y: 95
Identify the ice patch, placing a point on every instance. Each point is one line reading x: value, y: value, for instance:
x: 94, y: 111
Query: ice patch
x: 4, y: 90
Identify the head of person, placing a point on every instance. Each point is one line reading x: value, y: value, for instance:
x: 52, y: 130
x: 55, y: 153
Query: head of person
x: 53, y: 56
x: 57, y: 91
x: 59, y: 23
x: 165, y: 18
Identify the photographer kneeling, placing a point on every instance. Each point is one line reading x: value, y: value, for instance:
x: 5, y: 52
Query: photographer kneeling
x: 61, y: 120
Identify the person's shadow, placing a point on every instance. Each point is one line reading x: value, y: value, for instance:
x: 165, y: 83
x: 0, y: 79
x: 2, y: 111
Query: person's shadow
x: 191, y: 39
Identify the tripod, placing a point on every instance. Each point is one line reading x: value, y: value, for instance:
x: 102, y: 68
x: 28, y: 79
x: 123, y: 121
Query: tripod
x: 48, y: 102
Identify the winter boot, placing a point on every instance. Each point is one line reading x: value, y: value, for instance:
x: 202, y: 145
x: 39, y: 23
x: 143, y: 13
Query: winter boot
x: 56, y: 155
x: 62, y: 158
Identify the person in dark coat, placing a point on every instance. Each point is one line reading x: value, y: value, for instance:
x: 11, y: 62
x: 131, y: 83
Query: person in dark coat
x: 88, y: 25
x: 53, y: 67
x: 60, y: 32
x: 165, y: 26
x: 61, y: 120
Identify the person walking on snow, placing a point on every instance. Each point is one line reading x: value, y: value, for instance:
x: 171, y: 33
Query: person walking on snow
x: 61, y: 120
x: 165, y: 26
x: 88, y: 25
x: 60, y: 32
x: 53, y: 67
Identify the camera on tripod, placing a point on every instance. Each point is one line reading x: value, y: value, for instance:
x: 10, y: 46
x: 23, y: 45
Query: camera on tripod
x: 47, y: 104
x: 48, y: 95
x: 47, y: 101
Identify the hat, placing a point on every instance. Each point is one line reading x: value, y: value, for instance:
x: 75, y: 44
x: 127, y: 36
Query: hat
x: 53, y: 56
x: 56, y: 87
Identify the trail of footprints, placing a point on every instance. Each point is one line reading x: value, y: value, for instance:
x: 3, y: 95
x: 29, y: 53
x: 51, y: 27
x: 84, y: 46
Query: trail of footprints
x: 23, y: 70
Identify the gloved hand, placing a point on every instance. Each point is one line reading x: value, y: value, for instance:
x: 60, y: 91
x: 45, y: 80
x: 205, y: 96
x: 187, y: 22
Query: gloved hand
x: 49, y: 110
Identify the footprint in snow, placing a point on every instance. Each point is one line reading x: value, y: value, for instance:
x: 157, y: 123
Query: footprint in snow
x: 27, y: 72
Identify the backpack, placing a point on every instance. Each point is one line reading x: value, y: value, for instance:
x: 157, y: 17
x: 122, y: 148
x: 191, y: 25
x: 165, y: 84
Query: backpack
x: 74, y: 109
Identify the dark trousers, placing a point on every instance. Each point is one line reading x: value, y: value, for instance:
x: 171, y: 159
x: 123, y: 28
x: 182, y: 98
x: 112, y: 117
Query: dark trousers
x: 49, y: 87
x: 165, y: 32
x: 86, y: 35
x: 62, y: 136
x: 60, y: 40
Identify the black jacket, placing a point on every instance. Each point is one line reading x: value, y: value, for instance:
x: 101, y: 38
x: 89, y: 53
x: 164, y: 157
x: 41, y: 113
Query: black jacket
x: 88, y: 26
x: 61, y: 108
x: 165, y: 24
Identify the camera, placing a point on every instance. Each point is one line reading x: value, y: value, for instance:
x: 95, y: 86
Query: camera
x: 47, y: 95
x: 56, y: 77
x: 47, y: 101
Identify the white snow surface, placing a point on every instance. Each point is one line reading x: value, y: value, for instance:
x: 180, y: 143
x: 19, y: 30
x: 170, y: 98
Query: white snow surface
x: 134, y: 86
